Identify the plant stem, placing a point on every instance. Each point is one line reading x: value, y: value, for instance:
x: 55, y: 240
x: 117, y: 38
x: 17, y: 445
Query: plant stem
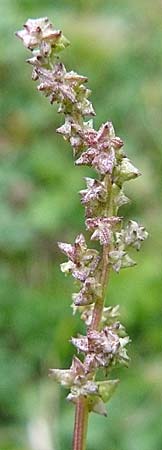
x: 80, y: 426
x: 97, y: 313
x: 98, y: 308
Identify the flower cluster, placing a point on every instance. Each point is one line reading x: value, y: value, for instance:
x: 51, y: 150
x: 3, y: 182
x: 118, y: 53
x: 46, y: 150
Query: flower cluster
x: 82, y: 264
x: 103, y: 228
x: 104, y: 345
x: 101, y: 149
x: 79, y: 381
x: 39, y: 36
x: 132, y: 235
x: 102, y: 348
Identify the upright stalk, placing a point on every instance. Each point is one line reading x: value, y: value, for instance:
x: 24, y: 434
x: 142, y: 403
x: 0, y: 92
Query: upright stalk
x: 105, y: 266
x: 99, y: 305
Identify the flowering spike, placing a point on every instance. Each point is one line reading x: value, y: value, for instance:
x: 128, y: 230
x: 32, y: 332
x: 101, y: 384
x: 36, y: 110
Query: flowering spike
x: 104, y: 344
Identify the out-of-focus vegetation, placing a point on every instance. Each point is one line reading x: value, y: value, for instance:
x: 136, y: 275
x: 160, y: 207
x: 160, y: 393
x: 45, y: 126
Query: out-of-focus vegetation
x: 118, y: 44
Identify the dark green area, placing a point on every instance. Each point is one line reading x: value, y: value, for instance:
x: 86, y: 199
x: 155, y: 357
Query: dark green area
x: 118, y: 44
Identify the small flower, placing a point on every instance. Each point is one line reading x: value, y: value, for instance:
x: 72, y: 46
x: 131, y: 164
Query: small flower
x: 89, y: 390
x: 54, y: 85
x: 101, y: 149
x: 63, y: 88
x: 90, y: 291
x: 103, y: 227
x: 102, y: 348
x: 82, y: 298
x: 81, y: 343
x: 94, y: 197
x: 75, y: 79
x: 82, y: 261
x: 105, y: 342
x: 70, y: 377
x: 109, y: 317
x: 135, y: 234
x: 76, y: 251
x: 110, y: 313
x: 86, y: 313
x: 70, y: 131
x: 103, y: 161
x: 120, y: 259
x: 95, y: 191
x: 37, y: 30
x: 96, y: 393
x: 66, y: 128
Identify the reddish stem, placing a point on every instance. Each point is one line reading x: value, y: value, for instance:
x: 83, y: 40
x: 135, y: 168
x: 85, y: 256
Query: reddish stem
x: 80, y: 426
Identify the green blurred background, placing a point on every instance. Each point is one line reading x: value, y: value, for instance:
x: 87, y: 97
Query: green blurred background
x: 118, y: 44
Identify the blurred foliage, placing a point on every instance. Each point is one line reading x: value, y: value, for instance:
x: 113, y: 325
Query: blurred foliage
x: 119, y: 46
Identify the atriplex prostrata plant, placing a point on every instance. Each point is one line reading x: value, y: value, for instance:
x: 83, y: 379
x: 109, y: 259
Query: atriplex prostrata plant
x: 104, y: 345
